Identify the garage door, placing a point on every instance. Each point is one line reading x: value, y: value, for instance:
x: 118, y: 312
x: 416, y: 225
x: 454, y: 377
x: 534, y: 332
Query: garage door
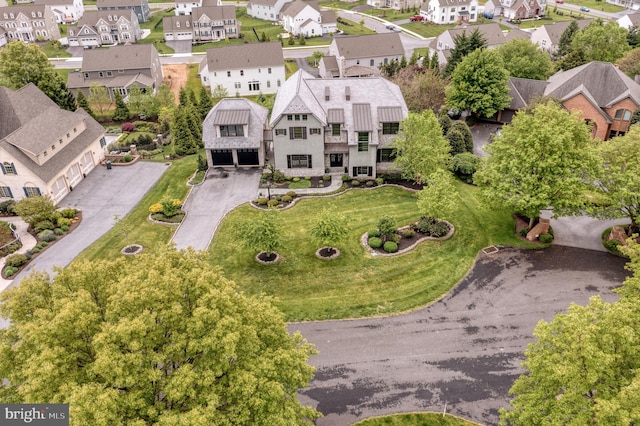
x: 248, y: 157
x: 222, y: 157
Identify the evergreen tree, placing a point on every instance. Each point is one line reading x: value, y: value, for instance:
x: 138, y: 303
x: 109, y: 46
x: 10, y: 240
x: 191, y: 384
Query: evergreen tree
x: 192, y: 98
x: 564, y: 45
x: 426, y: 61
x: 435, y: 62
x: 464, y: 45
x: 414, y: 58
x: 403, y: 62
x: 83, y: 103
x: 121, y: 112
x: 205, y: 102
x: 183, y: 97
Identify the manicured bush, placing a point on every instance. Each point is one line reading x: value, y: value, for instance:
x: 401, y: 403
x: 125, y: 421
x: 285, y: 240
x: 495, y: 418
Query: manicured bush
x: 170, y: 206
x: 155, y: 208
x: 65, y: 228
x: 127, y: 127
x: 62, y: 221
x: 286, y: 199
x: 390, y: 247
x: 346, y: 178
x: 272, y: 203
x: 438, y: 229
x: 296, y: 179
x: 10, y: 271
x: 69, y: 213
x: 355, y: 182
x: 545, y: 238
x: 16, y: 260
x: 379, y: 180
x: 307, y: 177
x: 524, y: 232
x: 42, y: 244
x: 58, y: 231
x: 262, y: 201
x: 375, y: 242
x: 369, y: 183
x: 49, y: 238
x: 288, y: 178
x: 373, y: 233
x: 42, y: 225
x: 6, y: 207
x: 407, y: 233
x: 35, y: 250
x: 127, y: 158
x: 612, y: 246
x: 44, y: 233
x: 326, y: 178
x: 423, y: 224
x: 291, y: 194
x: 279, y: 198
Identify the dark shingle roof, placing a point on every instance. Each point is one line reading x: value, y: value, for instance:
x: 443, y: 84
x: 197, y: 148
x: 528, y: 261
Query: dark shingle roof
x: 249, y: 55
x: 369, y: 46
x: 523, y: 90
x: 132, y: 56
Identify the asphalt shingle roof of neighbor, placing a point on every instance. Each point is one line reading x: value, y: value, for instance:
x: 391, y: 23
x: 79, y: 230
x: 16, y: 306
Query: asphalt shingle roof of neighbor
x: 114, y: 3
x: 227, y: 111
x: 635, y: 18
x: 492, y: 33
x: 295, y: 7
x: 264, y: 2
x: 25, y: 9
x: 132, y: 56
x: 523, y: 90
x: 555, y: 30
x: 448, y: 3
x: 302, y: 93
x: 169, y: 22
x: 328, y: 17
x: 21, y: 108
x: 330, y: 63
x: 92, y: 17
x: 250, y: 55
x: 517, y: 33
x: 53, y: 2
x: 214, y: 13
x: 368, y: 46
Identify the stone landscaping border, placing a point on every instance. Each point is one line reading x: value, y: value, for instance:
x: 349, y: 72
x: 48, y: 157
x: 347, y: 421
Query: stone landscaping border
x: 364, y: 240
x: 273, y: 262
x: 333, y: 256
x: 131, y: 249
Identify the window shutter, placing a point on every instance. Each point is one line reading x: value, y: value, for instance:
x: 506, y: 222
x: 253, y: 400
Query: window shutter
x: 10, y: 193
x: 310, y: 166
x: 370, y: 171
x: 38, y: 191
x: 15, y: 171
x: 355, y: 172
x: 288, y: 161
x: 304, y: 133
x: 4, y: 172
x: 24, y: 188
x: 290, y: 132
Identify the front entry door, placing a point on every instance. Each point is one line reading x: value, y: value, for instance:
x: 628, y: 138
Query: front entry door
x: 335, y: 160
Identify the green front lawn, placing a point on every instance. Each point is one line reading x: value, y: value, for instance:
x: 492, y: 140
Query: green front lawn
x: 157, y: 34
x: 427, y: 29
x: 391, y: 14
x: 357, y: 284
x: 597, y: 5
x: 53, y: 49
x: 342, y: 5
x: 415, y: 419
x: 353, y: 28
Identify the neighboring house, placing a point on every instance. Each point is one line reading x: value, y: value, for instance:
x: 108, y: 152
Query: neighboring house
x: 336, y: 125
x: 140, y: 7
x: 516, y: 9
x: 492, y: 34
x: 44, y: 150
x: 360, y: 56
x: 604, y: 95
x: 66, y: 11
x: 104, y: 28
x: 205, y: 24
x: 185, y: 7
x: 269, y: 10
x: 29, y: 23
x: 547, y: 37
x: 245, y: 69
x: 629, y: 4
x: 450, y: 11
x: 3, y: 37
x: 301, y: 17
x: 629, y: 21
x: 118, y: 68
x: 395, y: 4
x: 233, y: 133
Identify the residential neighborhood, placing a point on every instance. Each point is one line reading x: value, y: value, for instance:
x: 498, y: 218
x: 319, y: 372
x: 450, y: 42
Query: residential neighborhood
x: 303, y: 212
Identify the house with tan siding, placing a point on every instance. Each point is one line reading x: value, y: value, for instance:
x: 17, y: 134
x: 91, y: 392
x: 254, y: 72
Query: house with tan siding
x: 29, y: 22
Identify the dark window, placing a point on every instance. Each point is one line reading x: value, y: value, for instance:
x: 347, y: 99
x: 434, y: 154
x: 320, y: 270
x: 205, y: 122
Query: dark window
x: 8, y: 169
x: 314, y: 131
x: 386, y: 155
x: 299, y: 161
x: 231, y: 130
x: 289, y: 117
x: 297, y: 132
x: 281, y: 132
x: 335, y: 129
x: 363, y: 146
x: 5, y: 192
x: 390, y: 128
x: 31, y: 191
x: 254, y: 86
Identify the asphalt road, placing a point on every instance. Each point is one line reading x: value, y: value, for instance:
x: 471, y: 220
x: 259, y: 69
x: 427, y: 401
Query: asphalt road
x: 463, y: 351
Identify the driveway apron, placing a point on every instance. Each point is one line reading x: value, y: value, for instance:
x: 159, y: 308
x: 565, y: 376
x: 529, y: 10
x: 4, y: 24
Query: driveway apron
x: 209, y: 202
x: 463, y: 352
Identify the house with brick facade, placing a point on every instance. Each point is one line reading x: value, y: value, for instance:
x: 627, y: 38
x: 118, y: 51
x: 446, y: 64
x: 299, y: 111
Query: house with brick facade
x: 516, y: 9
x: 44, y: 150
x: 604, y: 95
x: 336, y: 125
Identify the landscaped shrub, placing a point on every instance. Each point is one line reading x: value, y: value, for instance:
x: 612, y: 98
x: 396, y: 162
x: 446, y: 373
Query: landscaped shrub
x: 326, y: 178
x: 127, y: 158
x: 58, y: 231
x: 369, y: 183
x: 62, y: 221
x: 272, y: 203
x: 386, y: 226
x: 286, y: 199
x: 10, y: 271
x: 545, y: 238
x: 127, y: 127
x: 35, y: 250
x: 49, y: 238
x: 262, y: 201
x: 390, y: 247
x: 170, y: 206
x: 438, y: 229
x: 42, y: 225
x: 379, y: 180
x: 69, y: 213
x: 355, y: 182
x: 6, y: 207
x: 65, y: 228
x: 373, y: 233
x: 288, y: 178
x: 423, y: 224
x: 307, y: 177
x: 279, y: 198
x: 375, y: 242
x: 296, y: 179
x: 612, y: 246
x: 42, y: 244
x: 346, y: 178
x: 155, y: 208
x: 407, y: 233
x: 291, y: 194
x: 524, y: 232
x: 16, y: 260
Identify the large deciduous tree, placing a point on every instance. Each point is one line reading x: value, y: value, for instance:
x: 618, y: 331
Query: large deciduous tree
x: 439, y: 197
x: 479, y: 84
x: 544, y: 159
x: 583, y: 367
x: 620, y: 179
x: 99, y: 99
x: 601, y: 41
x: 421, y: 88
x: 421, y: 149
x: 524, y: 59
x: 162, y: 340
x: 630, y: 63
x: 22, y: 63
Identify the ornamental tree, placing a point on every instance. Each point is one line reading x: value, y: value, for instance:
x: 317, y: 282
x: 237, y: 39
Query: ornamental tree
x: 479, y: 84
x: 160, y: 340
x: 330, y: 228
x: 439, y: 197
x: 262, y: 233
x: 544, y: 159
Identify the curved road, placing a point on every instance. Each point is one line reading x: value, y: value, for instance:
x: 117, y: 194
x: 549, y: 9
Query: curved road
x: 463, y: 351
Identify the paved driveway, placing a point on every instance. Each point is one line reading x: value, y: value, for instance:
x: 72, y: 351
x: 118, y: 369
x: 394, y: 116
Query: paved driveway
x: 103, y: 194
x: 463, y: 351
x: 208, y: 203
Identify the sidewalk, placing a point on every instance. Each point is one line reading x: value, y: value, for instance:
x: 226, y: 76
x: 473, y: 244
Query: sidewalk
x: 28, y: 242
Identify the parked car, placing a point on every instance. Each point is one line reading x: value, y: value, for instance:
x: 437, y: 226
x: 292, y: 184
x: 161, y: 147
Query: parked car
x: 559, y: 1
x: 488, y: 15
x: 585, y: 9
x: 417, y: 18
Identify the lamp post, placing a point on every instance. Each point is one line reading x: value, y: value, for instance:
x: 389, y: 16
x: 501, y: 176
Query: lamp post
x: 269, y: 190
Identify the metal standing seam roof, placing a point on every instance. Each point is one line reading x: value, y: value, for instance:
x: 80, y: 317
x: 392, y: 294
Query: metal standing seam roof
x: 227, y: 111
x: 390, y: 114
x: 231, y: 116
x: 362, y: 121
x: 335, y: 115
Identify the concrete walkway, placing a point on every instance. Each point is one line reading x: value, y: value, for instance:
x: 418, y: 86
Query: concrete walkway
x: 27, y: 240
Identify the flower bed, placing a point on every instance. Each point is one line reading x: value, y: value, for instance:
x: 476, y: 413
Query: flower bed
x: 405, y: 239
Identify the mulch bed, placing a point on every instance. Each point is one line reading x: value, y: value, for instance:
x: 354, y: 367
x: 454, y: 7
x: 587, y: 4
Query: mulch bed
x: 316, y: 181
x: 523, y: 223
